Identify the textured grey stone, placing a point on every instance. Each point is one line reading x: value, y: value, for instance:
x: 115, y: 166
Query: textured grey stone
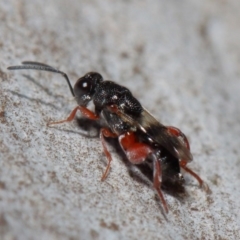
x: 179, y: 58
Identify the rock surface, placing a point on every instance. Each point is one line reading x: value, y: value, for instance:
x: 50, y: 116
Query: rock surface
x: 179, y: 58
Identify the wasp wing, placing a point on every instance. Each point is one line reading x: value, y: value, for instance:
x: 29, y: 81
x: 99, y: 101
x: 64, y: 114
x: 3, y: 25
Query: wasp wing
x: 158, y: 133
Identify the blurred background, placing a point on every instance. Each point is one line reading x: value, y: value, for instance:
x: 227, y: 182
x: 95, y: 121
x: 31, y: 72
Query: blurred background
x: 180, y: 58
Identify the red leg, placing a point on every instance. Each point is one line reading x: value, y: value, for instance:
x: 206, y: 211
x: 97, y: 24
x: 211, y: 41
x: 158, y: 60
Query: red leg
x: 157, y: 180
x: 177, y: 132
x: 135, y: 151
x: 86, y: 112
x: 106, y: 133
x: 183, y: 163
x: 202, y: 184
x: 113, y: 108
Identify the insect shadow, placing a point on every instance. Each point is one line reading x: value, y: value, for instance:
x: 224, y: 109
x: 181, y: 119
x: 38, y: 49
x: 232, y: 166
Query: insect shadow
x: 141, y: 173
x: 90, y: 127
x: 47, y: 91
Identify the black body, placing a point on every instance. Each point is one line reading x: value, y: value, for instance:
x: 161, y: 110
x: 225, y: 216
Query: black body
x: 131, y: 116
x: 108, y: 93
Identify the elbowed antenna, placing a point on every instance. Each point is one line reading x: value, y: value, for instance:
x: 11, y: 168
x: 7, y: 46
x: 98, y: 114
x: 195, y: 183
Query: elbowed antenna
x: 41, y: 67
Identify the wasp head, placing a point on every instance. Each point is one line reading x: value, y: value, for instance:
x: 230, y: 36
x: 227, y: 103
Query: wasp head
x: 85, y: 87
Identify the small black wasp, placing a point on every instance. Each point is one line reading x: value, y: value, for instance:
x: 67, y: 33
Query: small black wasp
x: 142, y: 138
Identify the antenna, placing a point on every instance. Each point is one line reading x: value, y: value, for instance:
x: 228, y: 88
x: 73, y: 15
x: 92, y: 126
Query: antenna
x: 42, y: 67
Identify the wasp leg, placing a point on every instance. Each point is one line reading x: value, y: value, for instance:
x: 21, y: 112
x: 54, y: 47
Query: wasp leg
x: 86, y: 112
x: 178, y: 133
x: 157, y: 180
x: 183, y: 163
x: 135, y: 151
x: 105, y: 132
x: 202, y: 184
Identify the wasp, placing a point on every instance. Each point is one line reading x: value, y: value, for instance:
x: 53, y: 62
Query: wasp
x: 142, y: 138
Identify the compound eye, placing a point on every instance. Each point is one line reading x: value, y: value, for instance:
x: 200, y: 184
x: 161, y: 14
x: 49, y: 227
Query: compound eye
x: 82, y: 86
x: 85, y: 85
x: 82, y: 90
